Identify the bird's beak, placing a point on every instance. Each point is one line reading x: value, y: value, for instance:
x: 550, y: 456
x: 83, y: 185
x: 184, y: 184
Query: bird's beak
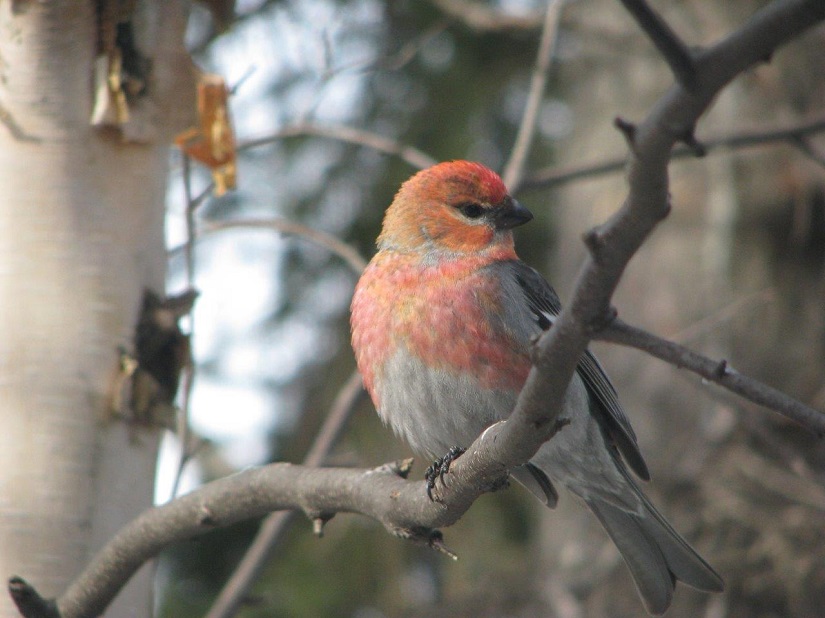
x: 511, y: 214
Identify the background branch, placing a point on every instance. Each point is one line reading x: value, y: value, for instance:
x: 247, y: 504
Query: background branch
x: 673, y: 50
x: 249, y: 569
x: 479, y: 16
x: 328, y: 241
x: 527, y: 129
x: 350, y: 135
x: 719, y: 372
x: 552, y: 176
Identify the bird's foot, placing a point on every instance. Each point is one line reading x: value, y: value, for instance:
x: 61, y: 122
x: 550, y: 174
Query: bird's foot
x: 440, y: 467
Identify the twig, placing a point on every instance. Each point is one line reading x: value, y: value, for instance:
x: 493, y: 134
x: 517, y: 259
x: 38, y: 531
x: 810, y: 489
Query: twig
x: 728, y: 312
x: 29, y: 602
x: 553, y: 176
x: 805, y: 146
x: 341, y: 249
x: 481, y: 18
x: 677, y: 55
x: 350, y: 135
x: 514, y: 169
x: 399, y: 59
x: 188, y: 377
x: 249, y: 569
x: 718, y: 372
x: 189, y: 247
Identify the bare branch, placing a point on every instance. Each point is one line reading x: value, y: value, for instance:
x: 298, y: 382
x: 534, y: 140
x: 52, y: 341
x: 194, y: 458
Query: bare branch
x: 350, y: 135
x: 401, y: 506
x: 29, y: 602
x: 341, y: 249
x: 188, y: 373
x: 399, y: 59
x: 515, y: 166
x: 553, y: 176
x: 480, y: 17
x: 805, y: 146
x: 614, y: 243
x: 675, y: 52
x: 718, y: 372
x: 249, y: 569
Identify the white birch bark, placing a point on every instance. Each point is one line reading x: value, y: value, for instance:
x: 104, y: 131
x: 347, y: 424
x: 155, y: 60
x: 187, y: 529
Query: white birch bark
x: 81, y: 235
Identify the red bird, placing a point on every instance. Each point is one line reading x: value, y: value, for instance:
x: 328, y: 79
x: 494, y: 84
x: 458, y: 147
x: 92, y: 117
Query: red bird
x: 442, y: 323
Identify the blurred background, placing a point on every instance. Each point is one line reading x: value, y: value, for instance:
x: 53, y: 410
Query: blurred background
x: 736, y: 272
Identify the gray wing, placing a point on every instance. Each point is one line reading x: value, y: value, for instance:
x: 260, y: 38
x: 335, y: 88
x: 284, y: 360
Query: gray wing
x: 545, y: 305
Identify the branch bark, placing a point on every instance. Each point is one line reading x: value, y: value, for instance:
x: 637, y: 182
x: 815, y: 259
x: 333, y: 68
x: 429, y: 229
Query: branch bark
x: 719, y: 372
x: 248, y: 570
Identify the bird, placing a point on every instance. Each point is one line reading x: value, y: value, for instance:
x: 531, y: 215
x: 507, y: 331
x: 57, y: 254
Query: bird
x: 443, y: 319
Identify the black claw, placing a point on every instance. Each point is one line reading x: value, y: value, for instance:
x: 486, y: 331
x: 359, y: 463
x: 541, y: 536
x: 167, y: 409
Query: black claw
x: 440, y: 467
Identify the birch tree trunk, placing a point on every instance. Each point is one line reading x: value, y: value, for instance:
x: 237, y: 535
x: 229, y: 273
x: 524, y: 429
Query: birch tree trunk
x: 81, y: 236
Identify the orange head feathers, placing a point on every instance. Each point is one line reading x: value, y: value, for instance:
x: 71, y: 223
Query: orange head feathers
x: 452, y: 207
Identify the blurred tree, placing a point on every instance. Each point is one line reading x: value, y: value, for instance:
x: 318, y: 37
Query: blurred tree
x: 83, y: 164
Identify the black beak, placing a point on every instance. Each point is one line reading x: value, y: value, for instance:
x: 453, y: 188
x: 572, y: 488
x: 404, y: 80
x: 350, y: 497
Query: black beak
x: 511, y: 214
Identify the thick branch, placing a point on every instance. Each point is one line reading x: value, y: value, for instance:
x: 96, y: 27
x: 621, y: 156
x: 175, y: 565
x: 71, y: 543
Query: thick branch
x: 248, y: 570
x: 719, y: 372
x: 401, y: 506
x: 674, y: 51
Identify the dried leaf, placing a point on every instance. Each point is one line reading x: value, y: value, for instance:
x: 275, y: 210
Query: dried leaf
x: 213, y: 143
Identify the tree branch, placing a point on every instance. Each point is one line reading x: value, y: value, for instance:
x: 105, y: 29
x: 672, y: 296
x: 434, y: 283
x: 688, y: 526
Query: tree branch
x: 718, y: 372
x: 677, y: 55
x: 552, y: 176
x: 381, y: 493
x: 514, y: 169
x: 339, y: 248
x: 350, y: 135
x: 805, y: 146
x: 480, y: 17
x: 614, y: 243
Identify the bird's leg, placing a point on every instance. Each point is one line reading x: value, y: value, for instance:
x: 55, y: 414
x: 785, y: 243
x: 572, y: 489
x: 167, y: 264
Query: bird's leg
x: 440, y: 467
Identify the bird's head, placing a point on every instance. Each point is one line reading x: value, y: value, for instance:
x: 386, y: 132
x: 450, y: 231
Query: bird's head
x: 455, y: 207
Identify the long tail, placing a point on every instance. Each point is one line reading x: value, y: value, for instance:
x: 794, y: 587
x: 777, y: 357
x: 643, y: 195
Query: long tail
x: 655, y: 554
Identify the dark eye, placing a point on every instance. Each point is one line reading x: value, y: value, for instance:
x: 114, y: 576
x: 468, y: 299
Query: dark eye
x: 471, y: 211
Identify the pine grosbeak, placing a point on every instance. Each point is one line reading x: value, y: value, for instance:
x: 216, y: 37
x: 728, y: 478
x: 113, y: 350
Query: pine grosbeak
x: 442, y: 323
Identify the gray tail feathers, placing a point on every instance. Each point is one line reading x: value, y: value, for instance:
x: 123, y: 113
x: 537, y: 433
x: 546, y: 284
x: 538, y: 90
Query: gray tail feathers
x: 655, y: 554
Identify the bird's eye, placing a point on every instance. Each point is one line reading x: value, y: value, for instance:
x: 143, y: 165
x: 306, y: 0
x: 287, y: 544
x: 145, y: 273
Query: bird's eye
x: 471, y: 210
